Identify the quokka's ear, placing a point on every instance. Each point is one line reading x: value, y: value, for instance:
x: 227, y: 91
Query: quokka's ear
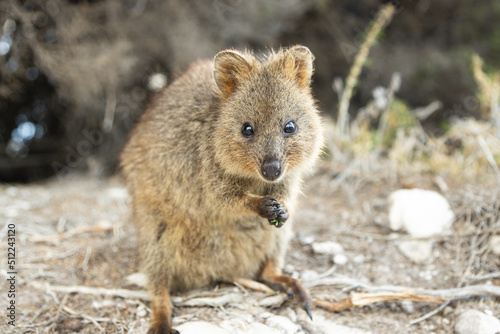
x: 298, y: 64
x: 230, y: 68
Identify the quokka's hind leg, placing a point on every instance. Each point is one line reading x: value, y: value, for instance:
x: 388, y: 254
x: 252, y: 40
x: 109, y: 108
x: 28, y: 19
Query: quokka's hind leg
x: 162, y: 312
x: 272, y: 274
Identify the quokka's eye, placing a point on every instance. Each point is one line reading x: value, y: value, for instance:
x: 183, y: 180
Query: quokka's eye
x: 247, y: 130
x: 290, y: 128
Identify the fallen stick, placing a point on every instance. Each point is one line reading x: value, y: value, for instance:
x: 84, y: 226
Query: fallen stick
x: 371, y: 296
x: 393, y: 293
x: 189, y: 301
x: 103, y: 226
x: 123, y: 293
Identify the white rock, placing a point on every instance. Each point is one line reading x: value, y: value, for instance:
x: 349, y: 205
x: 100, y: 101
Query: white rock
x: 325, y: 326
x: 340, y: 259
x: 327, y: 247
x: 360, y: 258
x: 421, y: 213
x: 258, y: 328
x: 101, y: 304
x: 495, y: 244
x: 141, y: 311
x: 488, y: 312
x: 307, y: 240
x: 118, y: 193
x: 416, y: 250
x: 407, y: 306
x: 197, y: 327
x: 290, y: 314
x: 476, y: 322
x: 157, y: 81
x: 138, y: 279
x: 309, y: 275
x: 283, y: 324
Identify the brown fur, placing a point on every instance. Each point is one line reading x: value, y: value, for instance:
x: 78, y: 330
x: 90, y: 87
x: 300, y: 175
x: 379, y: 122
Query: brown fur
x: 200, y: 200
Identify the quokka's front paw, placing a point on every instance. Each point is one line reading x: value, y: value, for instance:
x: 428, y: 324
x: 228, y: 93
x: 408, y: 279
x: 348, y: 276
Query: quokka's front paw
x: 161, y: 328
x: 273, y: 210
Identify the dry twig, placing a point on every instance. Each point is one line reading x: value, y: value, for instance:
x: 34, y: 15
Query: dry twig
x: 383, y: 18
x: 99, y: 227
x: 399, y: 293
x: 123, y: 293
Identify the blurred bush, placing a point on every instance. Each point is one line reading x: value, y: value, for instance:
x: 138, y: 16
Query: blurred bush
x: 75, y: 75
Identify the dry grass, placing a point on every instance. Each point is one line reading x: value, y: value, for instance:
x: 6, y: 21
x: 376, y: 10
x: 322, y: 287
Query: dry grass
x: 76, y: 246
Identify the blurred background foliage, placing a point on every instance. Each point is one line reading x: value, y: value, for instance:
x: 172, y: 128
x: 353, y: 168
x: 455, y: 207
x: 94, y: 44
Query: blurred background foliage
x: 75, y: 75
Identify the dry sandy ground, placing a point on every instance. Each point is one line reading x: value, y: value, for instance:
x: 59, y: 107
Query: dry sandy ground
x: 76, y: 232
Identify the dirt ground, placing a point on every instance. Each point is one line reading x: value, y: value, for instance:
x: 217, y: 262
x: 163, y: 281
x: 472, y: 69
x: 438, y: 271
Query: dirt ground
x: 76, y: 231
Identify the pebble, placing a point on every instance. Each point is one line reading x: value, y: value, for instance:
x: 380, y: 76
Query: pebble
x: 138, y: 279
x: 307, y: 240
x: 476, y: 322
x: 416, y: 250
x: 118, y: 193
x: 360, y: 258
x: 102, y: 304
x: 322, y: 325
x: 258, y: 328
x: 340, y: 259
x: 421, y: 213
x: 309, y: 275
x: 141, y: 311
x: 327, y: 247
x: 407, y: 306
x: 495, y: 244
x: 197, y: 327
x: 283, y: 324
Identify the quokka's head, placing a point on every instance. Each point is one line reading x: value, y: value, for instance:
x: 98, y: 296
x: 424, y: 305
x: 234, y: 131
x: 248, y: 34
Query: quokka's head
x: 268, y: 124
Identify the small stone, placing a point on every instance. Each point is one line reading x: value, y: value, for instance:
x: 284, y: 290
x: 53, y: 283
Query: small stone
x: 407, y: 306
x: 138, y: 279
x: 307, y: 240
x: 495, y: 244
x: 322, y: 325
x: 290, y: 314
x: 197, y: 327
x: 118, y: 193
x: 448, y: 310
x: 327, y: 247
x: 156, y: 81
x: 309, y: 275
x: 101, y: 304
x: 141, y: 311
x: 258, y: 328
x: 360, y: 258
x: 476, y: 322
x: 416, y: 250
x: 340, y: 259
x: 283, y: 324
x: 421, y: 213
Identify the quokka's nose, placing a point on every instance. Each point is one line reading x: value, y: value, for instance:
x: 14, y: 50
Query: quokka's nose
x: 271, y: 169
